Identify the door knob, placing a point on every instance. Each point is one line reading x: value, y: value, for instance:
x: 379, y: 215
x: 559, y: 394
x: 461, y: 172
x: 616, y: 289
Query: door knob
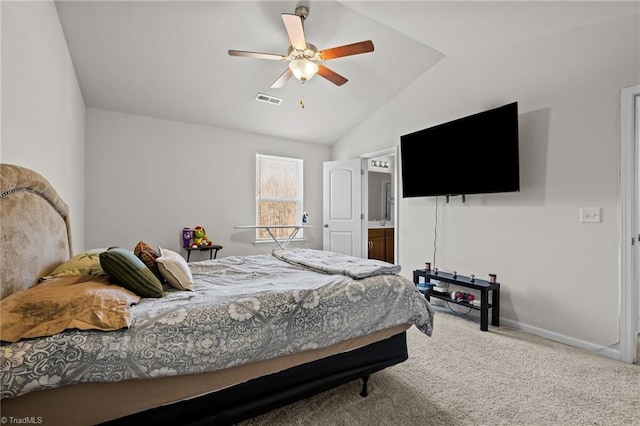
x: 326, y: 225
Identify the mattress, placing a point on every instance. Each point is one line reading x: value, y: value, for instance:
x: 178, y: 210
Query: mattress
x: 92, y: 403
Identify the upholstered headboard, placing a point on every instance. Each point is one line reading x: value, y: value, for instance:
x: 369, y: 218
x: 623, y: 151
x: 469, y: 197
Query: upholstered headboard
x: 34, y: 226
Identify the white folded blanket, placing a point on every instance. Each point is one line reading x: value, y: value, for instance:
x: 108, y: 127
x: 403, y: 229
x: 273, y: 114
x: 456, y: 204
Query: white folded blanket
x: 336, y: 263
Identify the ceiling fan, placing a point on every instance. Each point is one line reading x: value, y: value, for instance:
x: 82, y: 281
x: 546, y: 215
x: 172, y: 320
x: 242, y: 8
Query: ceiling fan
x: 304, y: 58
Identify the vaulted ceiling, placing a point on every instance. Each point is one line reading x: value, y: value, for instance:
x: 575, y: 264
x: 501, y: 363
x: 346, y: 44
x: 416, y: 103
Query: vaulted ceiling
x: 168, y: 59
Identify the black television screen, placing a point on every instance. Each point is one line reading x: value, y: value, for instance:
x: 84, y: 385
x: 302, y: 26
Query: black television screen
x: 477, y: 154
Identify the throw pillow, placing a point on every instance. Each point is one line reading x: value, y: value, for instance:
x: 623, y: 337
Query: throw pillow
x: 65, y: 302
x: 175, y: 269
x: 85, y: 263
x: 127, y: 270
x: 148, y: 255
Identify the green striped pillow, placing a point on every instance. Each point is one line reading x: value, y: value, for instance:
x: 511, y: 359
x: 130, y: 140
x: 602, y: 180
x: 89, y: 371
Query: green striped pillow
x: 130, y: 272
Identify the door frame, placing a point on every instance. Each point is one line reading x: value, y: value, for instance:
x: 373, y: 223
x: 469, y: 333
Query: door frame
x: 628, y: 268
x: 391, y: 152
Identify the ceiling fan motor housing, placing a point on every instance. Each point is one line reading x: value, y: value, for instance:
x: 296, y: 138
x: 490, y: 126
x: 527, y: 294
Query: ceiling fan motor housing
x: 302, y: 11
x: 310, y: 53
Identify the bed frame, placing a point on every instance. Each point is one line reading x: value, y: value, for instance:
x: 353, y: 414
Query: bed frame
x: 29, y: 205
x: 258, y: 396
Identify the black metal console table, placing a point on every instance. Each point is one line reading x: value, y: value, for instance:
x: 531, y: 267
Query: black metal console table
x: 477, y: 284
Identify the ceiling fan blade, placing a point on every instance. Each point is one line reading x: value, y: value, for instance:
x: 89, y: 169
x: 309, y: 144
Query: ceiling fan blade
x: 346, y: 50
x: 332, y: 76
x: 293, y: 24
x: 286, y: 75
x: 271, y: 56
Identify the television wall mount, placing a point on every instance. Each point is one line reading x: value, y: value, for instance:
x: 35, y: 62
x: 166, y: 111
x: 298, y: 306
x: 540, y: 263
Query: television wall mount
x: 453, y: 195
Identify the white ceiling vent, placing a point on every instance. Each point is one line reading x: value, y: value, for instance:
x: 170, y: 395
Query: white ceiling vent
x: 268, y: 99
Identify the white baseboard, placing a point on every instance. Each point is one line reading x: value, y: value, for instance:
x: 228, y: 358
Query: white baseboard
x: 609, y: 352
x: 612, y: 351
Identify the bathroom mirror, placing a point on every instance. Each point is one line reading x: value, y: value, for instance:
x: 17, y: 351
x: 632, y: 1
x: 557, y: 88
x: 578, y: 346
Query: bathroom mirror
x: 380, y: 194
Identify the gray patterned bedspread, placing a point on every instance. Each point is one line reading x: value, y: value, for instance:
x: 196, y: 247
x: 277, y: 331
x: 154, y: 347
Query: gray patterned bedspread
x: 242, y: 309
x: 336, y: 263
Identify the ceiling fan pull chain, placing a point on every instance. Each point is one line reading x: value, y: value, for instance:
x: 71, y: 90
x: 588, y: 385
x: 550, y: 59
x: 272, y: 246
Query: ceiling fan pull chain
x: 302, y: 95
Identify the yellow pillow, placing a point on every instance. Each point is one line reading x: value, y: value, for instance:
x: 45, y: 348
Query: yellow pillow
x: 86, y: 263
x: 66, y: 302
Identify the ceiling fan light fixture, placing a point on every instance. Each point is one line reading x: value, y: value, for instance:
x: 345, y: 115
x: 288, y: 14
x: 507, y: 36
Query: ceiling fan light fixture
x: 303, y: 69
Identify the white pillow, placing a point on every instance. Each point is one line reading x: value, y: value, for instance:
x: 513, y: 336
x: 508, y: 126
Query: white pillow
x: 175, y: 269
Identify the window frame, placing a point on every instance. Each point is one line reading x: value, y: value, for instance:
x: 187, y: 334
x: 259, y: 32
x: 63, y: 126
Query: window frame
x: 299, y: 200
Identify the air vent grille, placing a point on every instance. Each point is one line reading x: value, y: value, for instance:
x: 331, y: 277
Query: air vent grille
x: 268, y: 99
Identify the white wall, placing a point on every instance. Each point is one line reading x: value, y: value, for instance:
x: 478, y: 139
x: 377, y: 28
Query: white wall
x: 558, y: 275
x: 42, y: 107
x: 148, y: 178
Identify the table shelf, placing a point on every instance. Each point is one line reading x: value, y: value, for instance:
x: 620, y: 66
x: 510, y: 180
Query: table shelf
x: 447, y: 298
x: 212, y: 254
x: 483, y: 286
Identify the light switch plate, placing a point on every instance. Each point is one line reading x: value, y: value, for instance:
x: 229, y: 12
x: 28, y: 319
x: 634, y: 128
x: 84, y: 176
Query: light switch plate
x: 590, y: 215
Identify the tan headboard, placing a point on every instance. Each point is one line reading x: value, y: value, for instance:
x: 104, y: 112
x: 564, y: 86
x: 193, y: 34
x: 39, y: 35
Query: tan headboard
x: 34, y: 225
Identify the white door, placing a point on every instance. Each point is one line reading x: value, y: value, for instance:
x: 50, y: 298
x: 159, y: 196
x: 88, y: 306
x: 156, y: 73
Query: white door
x: 343, y: 218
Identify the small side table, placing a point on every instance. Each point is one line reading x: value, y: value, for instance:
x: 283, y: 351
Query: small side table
x: 212, y: 253
x: 460, y: 280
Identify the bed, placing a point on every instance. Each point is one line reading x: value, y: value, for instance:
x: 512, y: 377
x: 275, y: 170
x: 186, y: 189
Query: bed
x: 252, y: 333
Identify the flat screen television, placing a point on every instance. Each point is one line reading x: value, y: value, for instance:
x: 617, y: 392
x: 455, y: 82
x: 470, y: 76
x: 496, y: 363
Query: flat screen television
x: 477, y: 154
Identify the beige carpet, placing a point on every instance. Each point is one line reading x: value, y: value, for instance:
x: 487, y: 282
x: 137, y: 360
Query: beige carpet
x: 462, y: 376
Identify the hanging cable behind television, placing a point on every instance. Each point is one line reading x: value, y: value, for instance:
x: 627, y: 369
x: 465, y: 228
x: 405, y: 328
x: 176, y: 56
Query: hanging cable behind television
x: 435, y: 235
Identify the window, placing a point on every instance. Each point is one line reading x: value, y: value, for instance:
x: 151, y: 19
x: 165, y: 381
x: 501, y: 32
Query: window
x: 278, y: 194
